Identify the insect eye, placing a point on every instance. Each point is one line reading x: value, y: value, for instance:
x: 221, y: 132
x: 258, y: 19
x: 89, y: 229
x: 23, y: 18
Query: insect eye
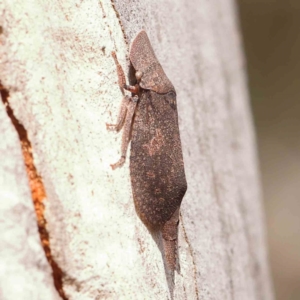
x: 138, y: 75
x: 172, y: 94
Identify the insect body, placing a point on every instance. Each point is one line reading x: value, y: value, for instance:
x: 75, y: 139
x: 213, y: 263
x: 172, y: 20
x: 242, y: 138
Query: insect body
x: 150, y: 121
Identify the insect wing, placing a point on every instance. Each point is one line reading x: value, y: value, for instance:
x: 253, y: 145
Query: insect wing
x: 156, y: 162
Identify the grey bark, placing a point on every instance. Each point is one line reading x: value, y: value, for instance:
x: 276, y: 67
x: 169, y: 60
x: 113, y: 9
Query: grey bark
x: 24, y: 270
x: 56, y: 64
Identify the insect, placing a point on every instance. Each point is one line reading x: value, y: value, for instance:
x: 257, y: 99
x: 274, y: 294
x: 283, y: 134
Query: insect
x: 150, y: 120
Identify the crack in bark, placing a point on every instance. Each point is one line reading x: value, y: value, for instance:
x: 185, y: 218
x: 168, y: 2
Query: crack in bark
x: 192, y: 255
x: 120, y: 22
x: 37, y: 189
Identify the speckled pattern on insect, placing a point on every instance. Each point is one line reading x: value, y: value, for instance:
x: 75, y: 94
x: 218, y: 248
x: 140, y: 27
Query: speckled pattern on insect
x: 149, y: 119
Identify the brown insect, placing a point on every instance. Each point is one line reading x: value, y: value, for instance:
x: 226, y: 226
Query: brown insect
x: 150, y: 121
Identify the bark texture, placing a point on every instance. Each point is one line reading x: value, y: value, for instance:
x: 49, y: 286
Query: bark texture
x: 24, y: 271
x: 56, y: 64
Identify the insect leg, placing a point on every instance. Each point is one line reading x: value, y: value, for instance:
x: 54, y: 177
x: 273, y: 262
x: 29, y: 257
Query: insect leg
x: 126, y: 131
x: 121, y: 77
x: 121, y: 117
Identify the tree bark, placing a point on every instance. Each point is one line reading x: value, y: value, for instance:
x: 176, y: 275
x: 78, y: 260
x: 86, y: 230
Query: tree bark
x: 61, y: 82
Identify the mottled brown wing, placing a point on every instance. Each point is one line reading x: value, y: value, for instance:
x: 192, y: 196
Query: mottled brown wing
x: 156, y: 162
x: 143, y: 59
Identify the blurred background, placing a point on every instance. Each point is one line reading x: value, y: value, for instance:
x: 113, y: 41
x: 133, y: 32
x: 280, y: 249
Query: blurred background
x: 271, y: 33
